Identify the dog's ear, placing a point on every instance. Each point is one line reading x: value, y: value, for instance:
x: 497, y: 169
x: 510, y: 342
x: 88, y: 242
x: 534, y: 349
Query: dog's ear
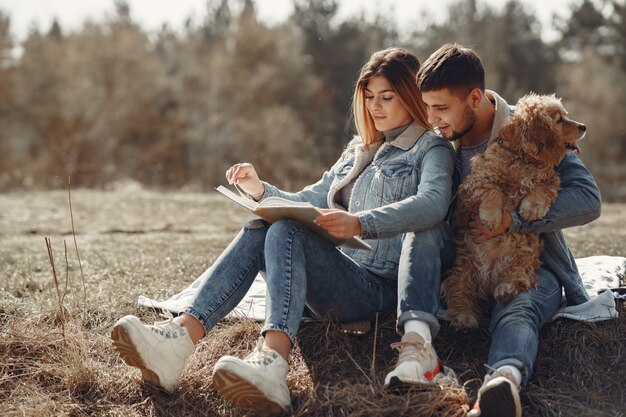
x: 511, y: 134
x: 538, y: 136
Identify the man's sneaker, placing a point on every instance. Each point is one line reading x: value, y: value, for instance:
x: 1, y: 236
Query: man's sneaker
x: 257, y: 382
x: 159, y: 350
x: 417, y: 364
x: 498, y: 397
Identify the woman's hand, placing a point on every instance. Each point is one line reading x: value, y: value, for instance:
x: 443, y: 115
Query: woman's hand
x: 339, y: 223
x: 245, y: 176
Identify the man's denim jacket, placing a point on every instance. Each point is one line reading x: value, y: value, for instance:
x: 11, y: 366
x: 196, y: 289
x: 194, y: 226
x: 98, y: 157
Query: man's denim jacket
x: 402, y: 186
x: 578, y: 202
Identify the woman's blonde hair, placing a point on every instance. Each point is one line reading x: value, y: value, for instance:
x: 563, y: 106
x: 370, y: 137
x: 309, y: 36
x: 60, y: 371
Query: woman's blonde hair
x: 399, y: 66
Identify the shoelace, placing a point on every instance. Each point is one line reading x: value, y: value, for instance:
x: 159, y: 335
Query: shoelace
x: 165, y: 328
x: 417, y: 350
x: 261, y: 356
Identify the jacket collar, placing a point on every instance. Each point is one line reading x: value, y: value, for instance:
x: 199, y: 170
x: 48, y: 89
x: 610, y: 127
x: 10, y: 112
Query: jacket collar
x: 503, y: 113
x: 407, y: 139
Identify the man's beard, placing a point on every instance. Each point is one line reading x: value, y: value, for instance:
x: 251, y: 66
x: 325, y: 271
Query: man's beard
x: 470, y: 119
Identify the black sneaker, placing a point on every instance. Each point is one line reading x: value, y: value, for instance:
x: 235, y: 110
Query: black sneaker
x: 498, y: 397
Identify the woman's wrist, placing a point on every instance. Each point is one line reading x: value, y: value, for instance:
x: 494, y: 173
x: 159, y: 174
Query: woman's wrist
x: 259, y: 196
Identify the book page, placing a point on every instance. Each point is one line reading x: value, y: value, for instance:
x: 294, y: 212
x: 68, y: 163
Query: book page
x: 246, y: 202
x: 282, y: 202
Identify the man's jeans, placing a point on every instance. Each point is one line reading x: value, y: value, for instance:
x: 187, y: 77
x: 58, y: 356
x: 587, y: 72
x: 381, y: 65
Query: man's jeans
x: 515, y: 325
x: 302, y: 268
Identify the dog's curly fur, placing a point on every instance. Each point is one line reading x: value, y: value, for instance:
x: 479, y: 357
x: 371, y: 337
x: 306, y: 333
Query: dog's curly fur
x: 516, y: 172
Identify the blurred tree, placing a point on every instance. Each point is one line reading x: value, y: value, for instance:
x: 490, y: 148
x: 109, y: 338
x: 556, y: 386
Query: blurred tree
x: 55, y: 31
x: 617, y: 24
x: 586, y: 27
x: 592, y: 83
x: 82, y: 96
x: 7, y: 142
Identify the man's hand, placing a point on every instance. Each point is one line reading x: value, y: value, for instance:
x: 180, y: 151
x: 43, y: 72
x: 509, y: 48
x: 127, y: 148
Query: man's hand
x: 339, y: 223
x: 481, y: 233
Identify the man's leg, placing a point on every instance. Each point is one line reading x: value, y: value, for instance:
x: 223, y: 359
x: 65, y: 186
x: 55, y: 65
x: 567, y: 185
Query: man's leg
x: 425, y: 256
x: 515, y: 330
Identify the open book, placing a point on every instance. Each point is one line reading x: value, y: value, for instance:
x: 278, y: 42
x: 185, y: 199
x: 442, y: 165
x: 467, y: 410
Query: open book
x: 276, y: 208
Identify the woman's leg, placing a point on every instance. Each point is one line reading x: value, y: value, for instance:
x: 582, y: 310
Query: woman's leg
x: 161, y: 350
x: 230, y: 277
x: 301, y: 268
x: 304, y: 268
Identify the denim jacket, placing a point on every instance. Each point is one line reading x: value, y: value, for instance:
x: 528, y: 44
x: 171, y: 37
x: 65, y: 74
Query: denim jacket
x: 402, y: 186
x: 578, y: 202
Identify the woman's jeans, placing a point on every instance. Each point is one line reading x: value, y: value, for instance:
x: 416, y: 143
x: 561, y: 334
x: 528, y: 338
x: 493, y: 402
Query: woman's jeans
x: 302, y: 268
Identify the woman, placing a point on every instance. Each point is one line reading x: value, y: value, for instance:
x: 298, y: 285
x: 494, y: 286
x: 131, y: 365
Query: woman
x: 392, y: 186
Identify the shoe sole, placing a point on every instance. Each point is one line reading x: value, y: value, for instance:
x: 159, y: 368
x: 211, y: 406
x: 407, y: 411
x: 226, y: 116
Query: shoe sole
x: 499, y: 402
x: 128, y: 352
x: 244, y: 394
x: 398, y: 386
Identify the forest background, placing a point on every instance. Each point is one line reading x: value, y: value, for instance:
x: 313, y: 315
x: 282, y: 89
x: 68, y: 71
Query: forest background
x: 112, y: 102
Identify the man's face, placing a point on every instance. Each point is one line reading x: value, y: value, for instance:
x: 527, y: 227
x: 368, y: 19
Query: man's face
x: 450, y: 113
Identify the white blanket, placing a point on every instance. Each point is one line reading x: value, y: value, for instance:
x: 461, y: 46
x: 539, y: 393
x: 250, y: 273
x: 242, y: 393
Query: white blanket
x: 599, y: 273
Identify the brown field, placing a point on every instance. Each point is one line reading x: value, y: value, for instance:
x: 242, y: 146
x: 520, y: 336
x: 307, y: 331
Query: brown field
x: 134, y: 242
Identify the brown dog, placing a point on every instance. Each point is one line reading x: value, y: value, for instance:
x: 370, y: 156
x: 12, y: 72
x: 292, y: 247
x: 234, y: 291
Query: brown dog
x: 516, y: 172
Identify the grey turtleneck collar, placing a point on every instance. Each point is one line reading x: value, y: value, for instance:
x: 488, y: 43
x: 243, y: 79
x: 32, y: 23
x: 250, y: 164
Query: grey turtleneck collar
x: 391, y: 134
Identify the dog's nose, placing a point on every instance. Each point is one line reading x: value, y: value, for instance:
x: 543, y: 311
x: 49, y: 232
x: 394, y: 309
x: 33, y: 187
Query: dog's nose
x: 582, y: 128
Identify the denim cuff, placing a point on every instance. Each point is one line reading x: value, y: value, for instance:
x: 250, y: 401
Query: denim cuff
x: 432, y: 321
x: 198, y: 316
x: 515, y: 363
x: 368, y: 228
x: 284, y: 329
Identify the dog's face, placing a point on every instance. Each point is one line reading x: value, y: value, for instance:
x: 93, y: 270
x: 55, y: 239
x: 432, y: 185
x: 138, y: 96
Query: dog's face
x: 541, y: 129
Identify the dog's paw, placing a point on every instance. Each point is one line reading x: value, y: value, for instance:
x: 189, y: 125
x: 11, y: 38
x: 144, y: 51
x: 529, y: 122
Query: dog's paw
x: 490, y: 217
x: 505, y: 292
x: 463, y: 321
x: 533, y: 209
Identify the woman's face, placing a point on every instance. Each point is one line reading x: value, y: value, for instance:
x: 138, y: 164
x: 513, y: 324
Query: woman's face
x: 384, y: 105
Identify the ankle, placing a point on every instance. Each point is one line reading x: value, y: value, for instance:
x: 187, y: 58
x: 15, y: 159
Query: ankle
x: 194, y: 327
x: 278, y: 341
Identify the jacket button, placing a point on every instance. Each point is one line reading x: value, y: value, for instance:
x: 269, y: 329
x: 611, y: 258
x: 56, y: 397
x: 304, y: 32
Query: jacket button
x: 358, y: 203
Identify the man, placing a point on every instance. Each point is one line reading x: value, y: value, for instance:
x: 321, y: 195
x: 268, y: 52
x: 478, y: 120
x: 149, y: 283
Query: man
x: 452, y: 84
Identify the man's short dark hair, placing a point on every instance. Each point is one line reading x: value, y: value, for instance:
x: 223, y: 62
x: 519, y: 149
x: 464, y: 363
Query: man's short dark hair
x: 452, y: 67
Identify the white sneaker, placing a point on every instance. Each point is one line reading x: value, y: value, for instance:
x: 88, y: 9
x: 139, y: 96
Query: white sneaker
x: 257, y: 382
x: 498, y: 397
x: 417, y: 364
x: 159, y: 350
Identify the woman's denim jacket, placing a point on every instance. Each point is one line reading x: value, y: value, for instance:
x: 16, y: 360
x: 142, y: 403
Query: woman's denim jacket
x: 402, y: 186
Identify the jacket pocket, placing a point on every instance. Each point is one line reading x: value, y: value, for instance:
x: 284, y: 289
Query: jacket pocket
x: 395, y: 180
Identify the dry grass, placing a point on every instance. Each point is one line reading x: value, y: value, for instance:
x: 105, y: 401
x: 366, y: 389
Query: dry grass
x: 153, y: 244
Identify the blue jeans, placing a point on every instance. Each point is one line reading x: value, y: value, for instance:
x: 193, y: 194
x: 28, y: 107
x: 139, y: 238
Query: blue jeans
x: 515, y: 325
x: 425, y: 256
x: 302, y: 268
